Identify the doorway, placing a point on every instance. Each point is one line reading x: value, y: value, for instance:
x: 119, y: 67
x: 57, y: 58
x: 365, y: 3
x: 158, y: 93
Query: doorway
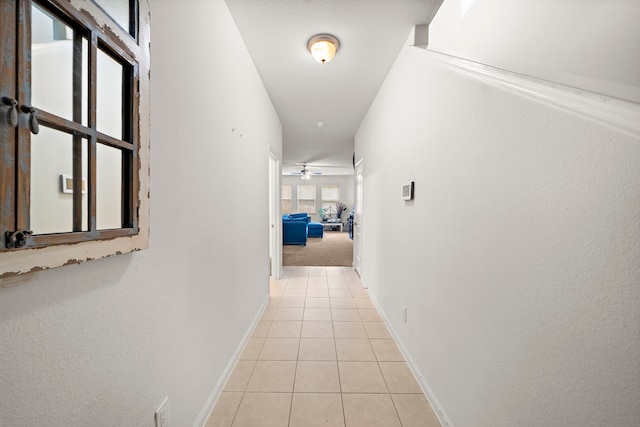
x: 357, y: 218
x: 275, y: 222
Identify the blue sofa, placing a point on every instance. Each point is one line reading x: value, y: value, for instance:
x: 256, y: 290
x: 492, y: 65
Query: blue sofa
x: 297, y: 227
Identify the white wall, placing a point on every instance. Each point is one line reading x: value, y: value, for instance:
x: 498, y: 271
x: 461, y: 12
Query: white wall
x: 345, y: 182
x: 587, y: 44
x: 518, y: 259
x: 102, y: 343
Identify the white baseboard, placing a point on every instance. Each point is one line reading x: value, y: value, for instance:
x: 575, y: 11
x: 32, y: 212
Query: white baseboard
x: 422, y: 381
x: 217, y: 390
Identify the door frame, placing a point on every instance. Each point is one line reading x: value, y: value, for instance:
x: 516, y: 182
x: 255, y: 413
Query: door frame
x: 275, y: 222
x: 358, y: 216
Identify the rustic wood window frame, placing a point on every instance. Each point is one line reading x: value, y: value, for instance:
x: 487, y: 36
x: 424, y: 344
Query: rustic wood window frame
x: 89, y: 23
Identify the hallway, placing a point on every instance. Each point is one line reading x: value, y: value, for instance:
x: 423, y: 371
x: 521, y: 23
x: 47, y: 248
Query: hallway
x: 321, y: 356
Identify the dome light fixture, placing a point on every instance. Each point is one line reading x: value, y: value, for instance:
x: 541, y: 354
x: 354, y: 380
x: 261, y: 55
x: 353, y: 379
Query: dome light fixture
x: 323, y: 47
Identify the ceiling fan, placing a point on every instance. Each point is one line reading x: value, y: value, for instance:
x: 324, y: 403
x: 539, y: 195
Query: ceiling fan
x: 305, y: 173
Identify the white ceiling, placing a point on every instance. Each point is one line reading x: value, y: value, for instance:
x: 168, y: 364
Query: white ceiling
x: 338, y: 93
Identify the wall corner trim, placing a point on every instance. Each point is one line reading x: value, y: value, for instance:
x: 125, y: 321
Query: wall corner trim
x: 621, y: 115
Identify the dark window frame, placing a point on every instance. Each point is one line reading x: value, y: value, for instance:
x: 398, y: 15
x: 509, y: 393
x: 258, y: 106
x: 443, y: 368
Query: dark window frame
x: 15, y: 40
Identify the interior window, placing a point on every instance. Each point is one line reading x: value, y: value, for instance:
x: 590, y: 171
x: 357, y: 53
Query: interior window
x: 69, y: 126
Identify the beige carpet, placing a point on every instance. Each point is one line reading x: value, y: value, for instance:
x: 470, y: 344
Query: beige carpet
x: 334, y: 249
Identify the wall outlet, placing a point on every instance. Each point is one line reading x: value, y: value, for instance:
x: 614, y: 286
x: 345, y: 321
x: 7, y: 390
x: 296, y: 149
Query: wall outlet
x: 404, y: 313
x: 162, y: 414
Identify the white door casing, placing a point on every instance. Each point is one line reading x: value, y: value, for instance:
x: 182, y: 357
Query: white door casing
x: 357, y: 218
x: 275, y: 241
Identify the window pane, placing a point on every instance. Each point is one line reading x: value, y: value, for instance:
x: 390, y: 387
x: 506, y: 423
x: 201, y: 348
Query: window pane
x: 331, y: 192
x: 108, y: 187
x: 51, y: 64
x: 109, y: 96
x: 286, y: 206
x: 85, y: 82
x: 306, y: 192
x: 118, y: 10
x: 307, y: 206
x: 51, y: 203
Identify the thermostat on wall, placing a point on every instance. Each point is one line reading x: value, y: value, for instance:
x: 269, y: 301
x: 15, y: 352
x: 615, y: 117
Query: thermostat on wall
x: 407, y: 191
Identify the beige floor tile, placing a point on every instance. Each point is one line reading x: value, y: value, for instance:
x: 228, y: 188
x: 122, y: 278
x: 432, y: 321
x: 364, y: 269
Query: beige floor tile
x: 377, y: 330
x: 345, y: 315
x: 297, y: 285
x: 340, y: 293
x: 317, y: 279
x: 289, y: 313
x: 277, y: 286
x: 316, y: 377
x: 225, y: 409
x: 359, y: 293
x: 291, y: 303
x: 338, y: 283
x: 314, y: 329
x: 274, y: 301
x: 252, y: 349
x: 317, y: 285
x: 276, y: 292
x: 279, y: 349
x: 414, y: 410
x: 268, y: 313
x: 262, y: 328
x: 343, y: 303
x: 317, y: 349
x: 386, y: 350
x: 399, y: 377
x: 264, y: 410
x: 364, y: 303
x: 369, y: 315
x: 316, y: 410
x: 370, y: 410
x: 355, y: 350
x: 272, y: 376
x: 320, y: 314
x: 240, y: 376
x: 335, y: 271
x: 317, y: 293
x: 349, y: 330
x: 361, y: 377
x: 294, y: 293
x: 285, y: 329
x: 317, y: 303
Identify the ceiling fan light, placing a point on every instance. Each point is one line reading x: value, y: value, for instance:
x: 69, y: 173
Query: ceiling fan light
x: 323, y: 47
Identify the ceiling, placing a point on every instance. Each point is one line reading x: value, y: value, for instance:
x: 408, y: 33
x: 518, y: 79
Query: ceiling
x: 338, y: 93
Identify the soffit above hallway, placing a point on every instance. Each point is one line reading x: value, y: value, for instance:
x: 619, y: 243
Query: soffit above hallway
x: 338, y: 93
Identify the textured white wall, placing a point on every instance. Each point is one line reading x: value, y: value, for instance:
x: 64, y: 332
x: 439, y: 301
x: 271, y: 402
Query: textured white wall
x: 588, y: 44
x: 519, y: 258
x: 102, y: 343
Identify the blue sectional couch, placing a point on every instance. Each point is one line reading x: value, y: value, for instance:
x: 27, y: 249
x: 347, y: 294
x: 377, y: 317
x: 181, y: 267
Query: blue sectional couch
x: 297, y: 227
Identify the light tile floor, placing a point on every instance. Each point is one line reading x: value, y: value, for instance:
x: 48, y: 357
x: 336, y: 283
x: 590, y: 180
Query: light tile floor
x: 321, y: 356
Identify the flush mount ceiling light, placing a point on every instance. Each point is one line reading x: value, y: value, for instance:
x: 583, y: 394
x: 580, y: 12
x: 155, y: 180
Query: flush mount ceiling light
x: 323, y: 47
